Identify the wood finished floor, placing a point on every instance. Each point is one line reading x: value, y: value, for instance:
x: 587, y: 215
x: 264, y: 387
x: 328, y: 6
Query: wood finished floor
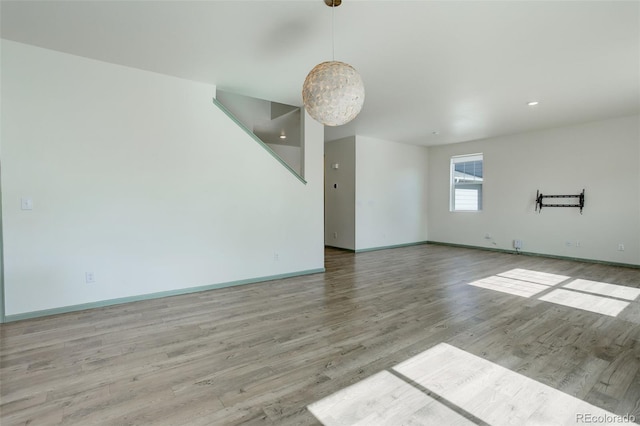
x: 260, y: 353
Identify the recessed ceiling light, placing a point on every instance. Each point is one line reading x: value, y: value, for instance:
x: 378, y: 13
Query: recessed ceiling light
x: 283, y: 136
x: 533, y: 103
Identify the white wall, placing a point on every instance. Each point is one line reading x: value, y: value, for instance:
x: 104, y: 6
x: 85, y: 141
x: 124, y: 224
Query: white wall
x: 601, y: 157
x: 340, y: 202
x: 391, y: 193
x: 140, y: 179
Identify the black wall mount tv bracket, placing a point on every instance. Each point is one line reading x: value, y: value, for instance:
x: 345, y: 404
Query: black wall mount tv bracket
x: 541, y: 197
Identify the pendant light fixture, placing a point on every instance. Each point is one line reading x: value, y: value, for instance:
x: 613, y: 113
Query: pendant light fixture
x: 333, y: 92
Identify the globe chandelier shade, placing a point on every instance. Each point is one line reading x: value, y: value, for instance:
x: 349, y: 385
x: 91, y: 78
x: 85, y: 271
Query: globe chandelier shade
x: 333, y: 93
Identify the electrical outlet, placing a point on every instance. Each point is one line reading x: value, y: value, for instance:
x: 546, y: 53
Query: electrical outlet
x: 89, y: 277
x: 335, y: 235
x: 620, y: 247
x: 578, y: 244
x: 517, y: 244
x: 568, y: 244
x: 487, y: 236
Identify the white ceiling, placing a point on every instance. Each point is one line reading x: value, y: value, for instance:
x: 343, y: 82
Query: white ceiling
x: 463, y: 69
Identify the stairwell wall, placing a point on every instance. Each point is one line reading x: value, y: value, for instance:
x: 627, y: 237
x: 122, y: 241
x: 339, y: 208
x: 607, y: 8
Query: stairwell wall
x: 139, y: 179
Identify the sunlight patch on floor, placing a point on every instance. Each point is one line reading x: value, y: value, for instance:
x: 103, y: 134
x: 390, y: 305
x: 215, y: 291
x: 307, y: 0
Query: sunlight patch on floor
x: 520, y: 282
x: 586, y: 302
x: 491, y: 392
x: 383, y: 399
x: 510, y: 285
x: 450, y: 387
x: 604, y: 289
x: 537, y: 277
x: 603, y: 298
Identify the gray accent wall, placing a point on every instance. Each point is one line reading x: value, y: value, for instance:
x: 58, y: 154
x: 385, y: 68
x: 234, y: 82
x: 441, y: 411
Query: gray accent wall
x: 340, y: 193
x: 381, y: 195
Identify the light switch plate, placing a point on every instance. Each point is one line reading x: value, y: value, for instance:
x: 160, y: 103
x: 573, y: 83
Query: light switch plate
x: 26, y: 203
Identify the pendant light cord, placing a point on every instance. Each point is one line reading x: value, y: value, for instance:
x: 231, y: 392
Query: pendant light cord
x: 333, y: 36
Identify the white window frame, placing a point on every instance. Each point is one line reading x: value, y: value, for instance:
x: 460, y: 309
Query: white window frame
x: 452, y: 186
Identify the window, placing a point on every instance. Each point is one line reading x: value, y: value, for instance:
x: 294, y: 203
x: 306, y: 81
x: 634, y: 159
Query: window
x: 466, y: 182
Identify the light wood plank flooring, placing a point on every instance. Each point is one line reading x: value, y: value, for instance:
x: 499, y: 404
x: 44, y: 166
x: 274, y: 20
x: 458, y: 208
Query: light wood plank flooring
x: 261, y: 353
